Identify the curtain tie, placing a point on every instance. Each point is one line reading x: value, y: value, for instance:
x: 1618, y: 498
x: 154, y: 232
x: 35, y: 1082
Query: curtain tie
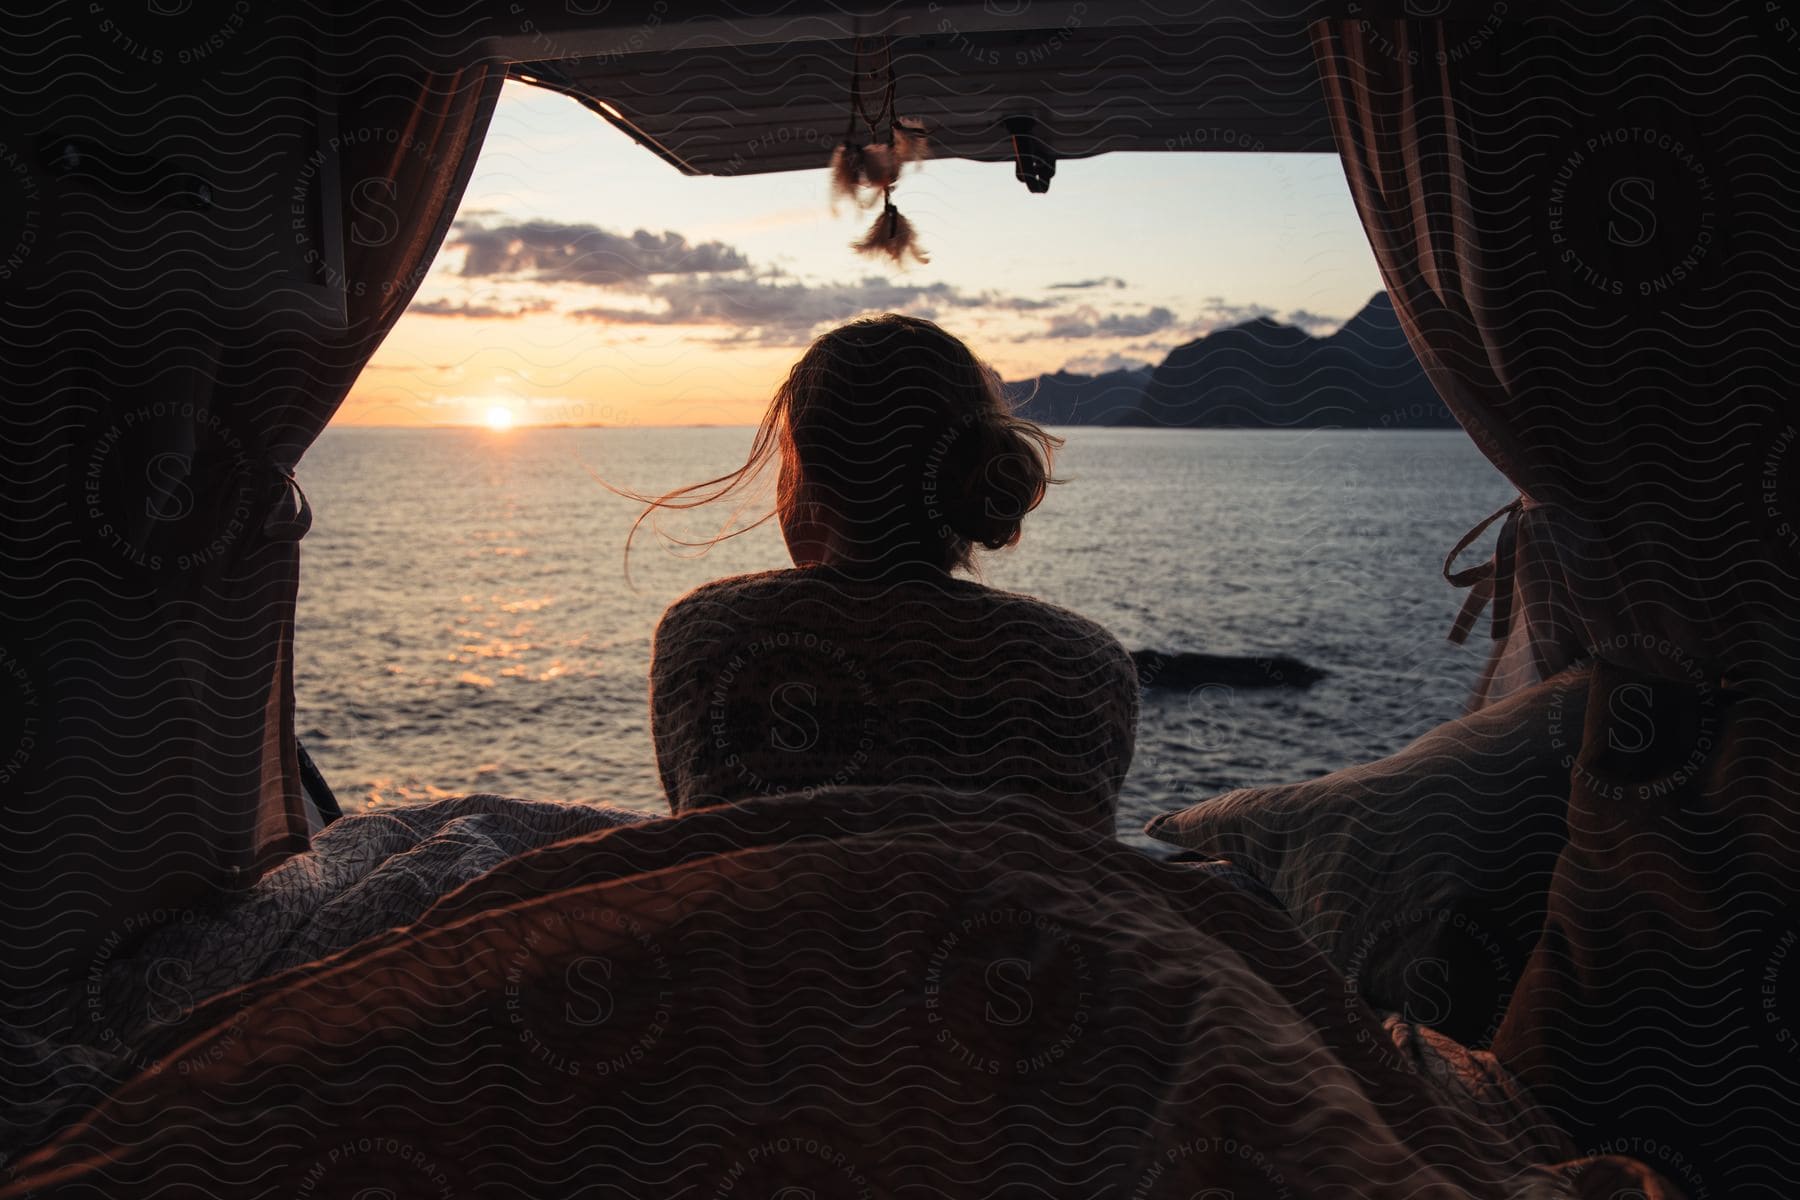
x: 1491, y: 580
x: 289, y: 514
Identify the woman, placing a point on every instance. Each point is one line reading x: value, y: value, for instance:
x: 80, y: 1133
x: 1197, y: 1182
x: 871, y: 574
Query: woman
x: 870, y: 661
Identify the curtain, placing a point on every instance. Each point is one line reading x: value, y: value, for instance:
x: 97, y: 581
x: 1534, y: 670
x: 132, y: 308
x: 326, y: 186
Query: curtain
x: 1587, y: 243
x: 198, y: 269
x: 1586, y: 226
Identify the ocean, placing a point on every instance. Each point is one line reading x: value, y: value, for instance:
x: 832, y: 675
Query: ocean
x: 465, y: 623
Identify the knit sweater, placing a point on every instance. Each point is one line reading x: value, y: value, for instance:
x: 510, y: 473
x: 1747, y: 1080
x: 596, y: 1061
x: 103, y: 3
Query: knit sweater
x: 800, y: 679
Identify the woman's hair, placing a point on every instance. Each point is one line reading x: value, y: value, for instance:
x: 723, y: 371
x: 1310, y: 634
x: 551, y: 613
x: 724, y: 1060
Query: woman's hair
x: 895, y: 436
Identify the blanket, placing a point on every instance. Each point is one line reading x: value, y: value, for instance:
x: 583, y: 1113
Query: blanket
x: 869, y: 992
x: 363, y: 874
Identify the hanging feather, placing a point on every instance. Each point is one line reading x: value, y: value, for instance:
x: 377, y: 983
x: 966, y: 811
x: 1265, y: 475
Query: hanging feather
x: 909, y: 142
x: 891, y: 235
x: 863, y: 171
x: 880, y: 167
x: 847, y: 176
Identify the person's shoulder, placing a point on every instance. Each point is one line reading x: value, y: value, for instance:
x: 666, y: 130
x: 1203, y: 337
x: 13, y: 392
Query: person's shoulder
x: 721, y: 602
x: 690, y: 629
x: 1032, y: 607
x: 1066, y: 624
x: 734, y: 588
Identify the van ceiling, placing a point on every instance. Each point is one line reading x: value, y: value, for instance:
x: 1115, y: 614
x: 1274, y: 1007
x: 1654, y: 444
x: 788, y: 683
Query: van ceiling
x: 752, y: 109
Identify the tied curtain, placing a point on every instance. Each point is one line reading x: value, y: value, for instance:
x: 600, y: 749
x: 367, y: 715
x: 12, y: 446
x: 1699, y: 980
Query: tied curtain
x: 1588, y: 227
x: 207, y: 266
x: 1585, y: 232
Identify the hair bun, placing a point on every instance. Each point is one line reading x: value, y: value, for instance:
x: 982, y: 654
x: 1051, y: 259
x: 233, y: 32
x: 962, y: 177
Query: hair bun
x: 1002, y: 472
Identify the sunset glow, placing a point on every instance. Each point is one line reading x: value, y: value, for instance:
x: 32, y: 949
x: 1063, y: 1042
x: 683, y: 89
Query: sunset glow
x: 587, y: 282
x: 499, y: 418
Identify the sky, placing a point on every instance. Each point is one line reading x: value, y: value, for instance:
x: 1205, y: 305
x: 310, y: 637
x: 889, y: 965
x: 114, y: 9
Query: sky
x: 588, y: 282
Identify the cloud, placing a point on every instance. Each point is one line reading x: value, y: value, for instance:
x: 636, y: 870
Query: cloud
x: 476, y: 310
x: 1111, y: 281
x: 776, y: 309
x: 1086, y: 322
x: 408, y: 368
x: 1100, y: 364
x: 550, y: 252
x: 1009, y: 303
x: 1312, y: 322
x: 663, y: 279
x: 1217, y: 312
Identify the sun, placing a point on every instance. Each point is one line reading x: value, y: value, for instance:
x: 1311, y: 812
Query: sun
x: 499, y: 418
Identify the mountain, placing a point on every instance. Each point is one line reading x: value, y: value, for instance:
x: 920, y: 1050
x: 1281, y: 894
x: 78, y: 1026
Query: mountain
x: 1261, y: 374
x: 1067, y: 399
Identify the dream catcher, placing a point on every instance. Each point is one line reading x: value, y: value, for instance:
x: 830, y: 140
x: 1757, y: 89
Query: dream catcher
x: 876, y: 144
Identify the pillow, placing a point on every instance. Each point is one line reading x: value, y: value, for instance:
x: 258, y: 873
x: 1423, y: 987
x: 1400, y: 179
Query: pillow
x: 1424, y: 876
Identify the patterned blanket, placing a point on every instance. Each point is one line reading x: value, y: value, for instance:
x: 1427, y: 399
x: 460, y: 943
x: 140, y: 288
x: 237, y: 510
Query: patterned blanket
x: 364, y: 874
